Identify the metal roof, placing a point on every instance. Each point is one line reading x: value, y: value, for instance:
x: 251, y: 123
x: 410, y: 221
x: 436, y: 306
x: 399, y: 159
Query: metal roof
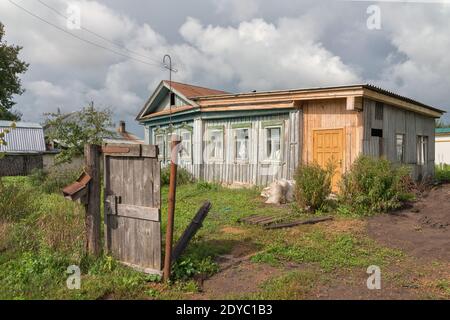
x: 26, y: 137
x: 442, y: 130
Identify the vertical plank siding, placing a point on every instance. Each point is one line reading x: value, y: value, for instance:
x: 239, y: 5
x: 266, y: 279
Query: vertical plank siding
x: 332, y: 114
x: 399, y: 121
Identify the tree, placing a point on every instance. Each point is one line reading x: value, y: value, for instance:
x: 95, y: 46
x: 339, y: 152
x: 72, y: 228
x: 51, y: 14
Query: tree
x: 442, y: 124
x: 73, y: 131
x: 10, y: 69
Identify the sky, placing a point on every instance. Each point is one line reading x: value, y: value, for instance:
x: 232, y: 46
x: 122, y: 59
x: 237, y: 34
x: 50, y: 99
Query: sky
x: 115, y: 59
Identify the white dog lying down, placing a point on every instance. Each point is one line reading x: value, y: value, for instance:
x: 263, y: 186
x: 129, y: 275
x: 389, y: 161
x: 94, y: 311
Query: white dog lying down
x: 280, y: 191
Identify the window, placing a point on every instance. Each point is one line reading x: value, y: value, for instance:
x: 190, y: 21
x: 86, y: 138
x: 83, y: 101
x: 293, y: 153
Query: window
x: 186, y: 143
x: 422, y: 150
x: 215, y: 144
x: 378, y: 111
x: 400, y: 146
x: 159, y: 141
x: 169, y: 146
x: 273, y: 143
x: 377, y: 133
x: 241, y: 144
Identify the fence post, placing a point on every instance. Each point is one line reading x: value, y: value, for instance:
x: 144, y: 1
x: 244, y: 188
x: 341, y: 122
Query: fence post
x: 92, y: 168
x: 171, y: 207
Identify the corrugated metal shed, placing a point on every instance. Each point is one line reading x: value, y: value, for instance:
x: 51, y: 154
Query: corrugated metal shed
x: 26, y: 137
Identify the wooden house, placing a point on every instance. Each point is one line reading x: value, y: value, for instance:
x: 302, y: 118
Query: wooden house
x: 259, y: 137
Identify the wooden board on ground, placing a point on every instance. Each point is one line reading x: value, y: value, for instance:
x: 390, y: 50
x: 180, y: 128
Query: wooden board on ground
x: 262, y: 220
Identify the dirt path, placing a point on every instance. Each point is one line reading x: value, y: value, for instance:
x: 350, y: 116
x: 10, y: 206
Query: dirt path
x: 422, y: 231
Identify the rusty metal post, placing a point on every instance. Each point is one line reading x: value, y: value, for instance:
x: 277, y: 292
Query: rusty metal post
x: 171, y: 206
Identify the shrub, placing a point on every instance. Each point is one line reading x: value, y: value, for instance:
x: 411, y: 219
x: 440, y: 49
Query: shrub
x: 313, y: 185
x: 183, y: 176
x: 443, y: 173
x: 374, y: 185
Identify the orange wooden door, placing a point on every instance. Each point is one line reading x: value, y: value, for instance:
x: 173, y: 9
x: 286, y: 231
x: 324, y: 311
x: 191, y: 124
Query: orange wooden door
x: 328, y: 145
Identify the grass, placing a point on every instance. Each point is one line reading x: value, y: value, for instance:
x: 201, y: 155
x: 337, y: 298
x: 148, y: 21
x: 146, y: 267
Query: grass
x: 37, y: 246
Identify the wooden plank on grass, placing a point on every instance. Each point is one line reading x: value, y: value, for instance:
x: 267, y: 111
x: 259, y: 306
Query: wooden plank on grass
x: 296, y: 223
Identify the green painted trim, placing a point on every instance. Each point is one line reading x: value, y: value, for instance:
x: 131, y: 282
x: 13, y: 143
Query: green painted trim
x: 220, y: 127
x: 247, y: 125
x: 272, y: 123
x: 185, y: 126
x: 239, y: 114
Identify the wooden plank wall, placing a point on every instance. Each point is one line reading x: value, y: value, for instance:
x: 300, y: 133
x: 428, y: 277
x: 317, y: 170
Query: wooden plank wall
x: 399, y: 121
x: 332, y: 114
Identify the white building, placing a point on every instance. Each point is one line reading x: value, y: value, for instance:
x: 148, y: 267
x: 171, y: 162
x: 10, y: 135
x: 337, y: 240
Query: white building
x: 442, y: 146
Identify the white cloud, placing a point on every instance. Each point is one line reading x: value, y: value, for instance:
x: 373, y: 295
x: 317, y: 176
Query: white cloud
x: 238, y: 9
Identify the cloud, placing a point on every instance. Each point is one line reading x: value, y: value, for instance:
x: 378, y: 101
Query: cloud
x: 309, y: 45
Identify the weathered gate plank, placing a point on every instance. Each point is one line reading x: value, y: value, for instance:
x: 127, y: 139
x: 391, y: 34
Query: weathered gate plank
x: 134, y: 228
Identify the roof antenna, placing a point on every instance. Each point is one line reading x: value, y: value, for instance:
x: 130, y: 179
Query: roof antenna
x: 167, y: 63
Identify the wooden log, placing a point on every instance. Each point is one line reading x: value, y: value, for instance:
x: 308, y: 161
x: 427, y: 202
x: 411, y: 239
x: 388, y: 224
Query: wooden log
x: 191, y: 230
x: 92, y: 168
x: 299, y: 222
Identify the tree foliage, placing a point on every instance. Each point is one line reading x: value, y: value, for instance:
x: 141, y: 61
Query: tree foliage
x: 10, y: 69
x: 73, y: 131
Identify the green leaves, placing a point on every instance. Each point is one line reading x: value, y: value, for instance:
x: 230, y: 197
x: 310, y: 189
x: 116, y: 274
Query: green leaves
x: 72, y: 131
x: 10, y: 69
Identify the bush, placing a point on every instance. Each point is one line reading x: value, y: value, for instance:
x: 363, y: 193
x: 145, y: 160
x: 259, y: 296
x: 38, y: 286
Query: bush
x: 183, y: 176
x: 54, y: 181
x: 443, y: 173
x: 374, y: 185
x: 313, y: 185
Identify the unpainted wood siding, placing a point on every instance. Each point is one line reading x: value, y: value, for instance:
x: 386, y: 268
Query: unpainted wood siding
x: 332, y: 114
x: 398, y: 121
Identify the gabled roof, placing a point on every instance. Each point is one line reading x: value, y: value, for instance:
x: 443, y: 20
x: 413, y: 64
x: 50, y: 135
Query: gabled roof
x: 185, y: 91
x: 205, y: 99
x: 191, y: 91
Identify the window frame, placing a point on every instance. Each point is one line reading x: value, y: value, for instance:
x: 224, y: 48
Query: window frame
x: 235, y: 143
x: 189, y: 156
x: 403, y: 147
x: 422, y: 150
x: 265, y: 127
x: 210, y: 130
x: 161, y: 153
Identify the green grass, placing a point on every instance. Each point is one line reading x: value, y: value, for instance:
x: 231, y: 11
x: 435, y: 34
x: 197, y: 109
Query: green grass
x: 328, y: 251
x: 48, y: 236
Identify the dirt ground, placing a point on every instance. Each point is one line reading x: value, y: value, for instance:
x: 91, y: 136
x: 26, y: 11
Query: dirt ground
x: 421, y: 231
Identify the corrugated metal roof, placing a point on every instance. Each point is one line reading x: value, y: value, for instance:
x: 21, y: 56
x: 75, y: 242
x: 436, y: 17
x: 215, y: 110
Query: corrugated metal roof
x: 26, y: 137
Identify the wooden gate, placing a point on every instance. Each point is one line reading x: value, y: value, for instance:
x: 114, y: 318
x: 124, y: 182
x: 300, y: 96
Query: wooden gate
x: 132, y: 205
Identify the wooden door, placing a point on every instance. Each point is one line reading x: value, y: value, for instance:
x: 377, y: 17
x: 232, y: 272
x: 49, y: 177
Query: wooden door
x: 132, y: 205
x: 328, y: 145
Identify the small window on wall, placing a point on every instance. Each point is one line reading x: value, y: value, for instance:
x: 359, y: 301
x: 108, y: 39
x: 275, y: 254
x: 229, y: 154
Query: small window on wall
x: 159, y: 141
x: 400, y: 146
x: 273, y: 143
x: 215, y: 144
x: 422, y: 150
x: 242, y: 144
x: 186, y: 142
